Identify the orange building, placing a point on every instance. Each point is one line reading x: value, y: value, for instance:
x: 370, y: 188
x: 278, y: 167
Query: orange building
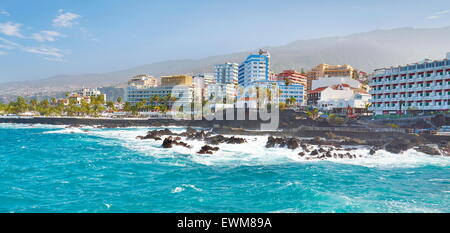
x: 293, y: 77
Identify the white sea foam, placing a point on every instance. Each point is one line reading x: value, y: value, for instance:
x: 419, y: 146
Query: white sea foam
x: 254, y: 152
x: 192, y: 187
x: 66, y: 131
x: 183, y: 187
x: 177, y: 190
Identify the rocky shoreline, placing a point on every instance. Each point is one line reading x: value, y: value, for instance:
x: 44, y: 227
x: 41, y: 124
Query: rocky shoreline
x: 291, y: 134
x: 317, y: 148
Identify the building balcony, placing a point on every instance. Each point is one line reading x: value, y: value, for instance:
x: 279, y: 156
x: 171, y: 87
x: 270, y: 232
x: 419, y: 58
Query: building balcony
x: 439, y: 97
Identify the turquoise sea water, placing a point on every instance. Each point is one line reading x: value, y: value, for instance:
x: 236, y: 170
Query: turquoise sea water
x: 52, y: 169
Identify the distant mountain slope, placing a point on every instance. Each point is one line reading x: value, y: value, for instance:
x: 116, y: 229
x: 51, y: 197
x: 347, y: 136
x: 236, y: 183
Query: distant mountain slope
x: 365, y: 51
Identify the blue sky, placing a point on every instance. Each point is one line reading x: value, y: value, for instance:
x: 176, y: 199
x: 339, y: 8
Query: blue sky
x: 39, y: 39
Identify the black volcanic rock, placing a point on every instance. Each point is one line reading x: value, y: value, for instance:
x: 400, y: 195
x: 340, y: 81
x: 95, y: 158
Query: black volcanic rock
x: 315, y: 152
x: 208, y: 149
x: 215, y: 140
x: 398, y: 146
x: 427, y: 149
x: 169, y: 142
x: 291, y: 143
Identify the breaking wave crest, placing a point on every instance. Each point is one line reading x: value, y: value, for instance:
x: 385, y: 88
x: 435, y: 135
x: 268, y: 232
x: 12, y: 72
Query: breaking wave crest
x: 253, y: 153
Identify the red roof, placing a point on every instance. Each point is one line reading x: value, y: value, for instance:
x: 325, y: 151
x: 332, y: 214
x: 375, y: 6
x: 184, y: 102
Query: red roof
x: 317, y: 90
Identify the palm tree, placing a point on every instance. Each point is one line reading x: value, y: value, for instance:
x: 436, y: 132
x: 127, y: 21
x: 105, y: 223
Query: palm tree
x: 366, y: 108
x: 291, y: 101
x: 33, y: 104
x: 140, y: 105
x: 110, y: 106
x: 313, y: 114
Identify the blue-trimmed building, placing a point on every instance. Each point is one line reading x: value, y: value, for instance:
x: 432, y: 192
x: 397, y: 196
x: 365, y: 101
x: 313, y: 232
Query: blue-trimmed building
x: 255, y: 68
x: 255, y: 71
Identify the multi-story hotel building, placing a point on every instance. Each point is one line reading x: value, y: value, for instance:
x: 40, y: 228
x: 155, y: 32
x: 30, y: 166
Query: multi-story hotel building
x: 180, y: 87
x: 249, y: 96
x: 203, y: 80
x: 226, y: 73
x: 326, y: 70
x: 143, y: 80
x: 255, y: 72
x: 255, y: 68
x: 226, y: 79
x: 423, y: 86
x: 85, y: 94
x: 292, y: 77
x: 170, y: 81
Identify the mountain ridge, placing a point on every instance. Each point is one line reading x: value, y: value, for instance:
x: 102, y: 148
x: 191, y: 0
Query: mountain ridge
x: 365, y: 51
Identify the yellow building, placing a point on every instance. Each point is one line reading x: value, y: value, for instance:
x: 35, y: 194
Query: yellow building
x: 169, y: 81
x: 326, y: 70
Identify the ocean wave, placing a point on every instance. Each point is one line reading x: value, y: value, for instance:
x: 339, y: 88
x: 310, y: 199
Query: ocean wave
x: 66, y: 131
x: 183, y: 187
x: 177, y: 190
x: 254, y: 153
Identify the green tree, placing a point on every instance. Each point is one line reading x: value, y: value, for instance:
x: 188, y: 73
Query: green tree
x: 119, y: 99
x: 33, y: 104
x: 2, y: 107
x: 110, y: 105
x: 291, y: 101
x: 19, y: 106
x: 313, y: 114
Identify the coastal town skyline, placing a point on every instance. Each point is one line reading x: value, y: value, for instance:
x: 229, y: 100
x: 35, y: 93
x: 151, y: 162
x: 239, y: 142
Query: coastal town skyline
x: 203, y: 106
x: 61, y: 39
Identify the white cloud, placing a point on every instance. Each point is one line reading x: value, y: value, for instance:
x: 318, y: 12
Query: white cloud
x: 51, y: 53
x: 11, y: 29
x: 3, y: 12
x: 65, y: 19
x: 44, y: 36
x: 438, y: 15
x: 9, y: 43
x: 3, y: 53
x: 433, y: 17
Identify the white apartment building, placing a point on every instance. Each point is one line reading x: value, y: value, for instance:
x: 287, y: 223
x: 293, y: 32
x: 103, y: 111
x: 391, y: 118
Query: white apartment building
x: 143, y: 80
x: 226, y: 73
x: 85, y: 94
x: 423, y: 86
x: 203, y: 80
x: 89, y: 92
x: 338, y: 98
x: 217, y: 92
x: 330, y: 81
